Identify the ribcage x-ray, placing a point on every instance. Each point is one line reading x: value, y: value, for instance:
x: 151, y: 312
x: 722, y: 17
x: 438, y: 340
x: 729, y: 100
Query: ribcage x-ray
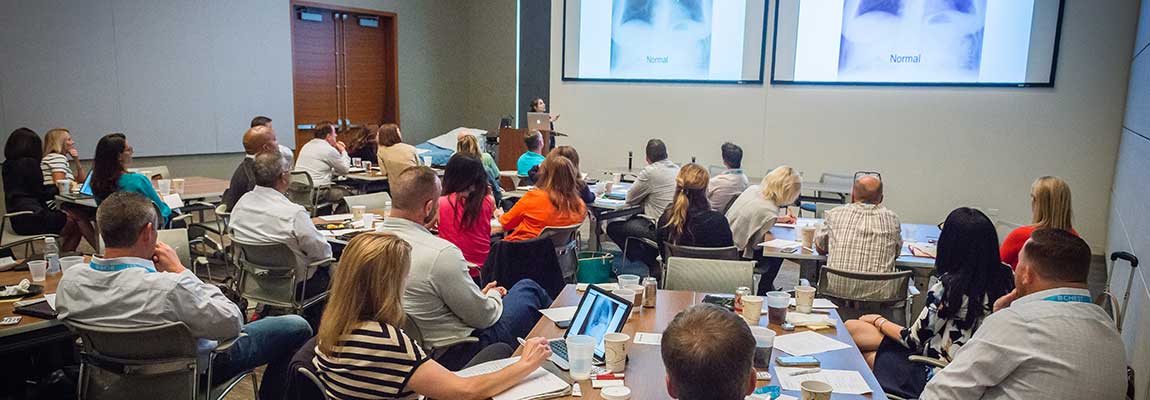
x: 669, y: 39
x: 912, y: 40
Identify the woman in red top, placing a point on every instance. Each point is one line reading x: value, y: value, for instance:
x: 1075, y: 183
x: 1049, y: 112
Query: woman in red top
x: 466, y: 209
x: 555, y: 201
x: 1050, y: 203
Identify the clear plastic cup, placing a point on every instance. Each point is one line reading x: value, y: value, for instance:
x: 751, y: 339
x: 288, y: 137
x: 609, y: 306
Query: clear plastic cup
x: 580, y: 356
x: 178, y: 186
x: 764, y: 344
x: 777, y: 304
x: 356, y: 162
x: 70, y: 261
x: 39, y: 270
x: 427, y: 160
x: 628, y: 279
x: 164, y: 186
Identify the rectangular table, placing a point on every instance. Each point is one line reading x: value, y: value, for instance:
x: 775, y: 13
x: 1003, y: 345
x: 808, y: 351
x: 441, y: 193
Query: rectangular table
x: 31, y: 331
x: 923, y: 267
x: 496, y: 228
x: 195, y: 188
x: 645, y: 373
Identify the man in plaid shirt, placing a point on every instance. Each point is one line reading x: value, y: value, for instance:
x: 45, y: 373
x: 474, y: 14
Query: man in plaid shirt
x: 863, y: 236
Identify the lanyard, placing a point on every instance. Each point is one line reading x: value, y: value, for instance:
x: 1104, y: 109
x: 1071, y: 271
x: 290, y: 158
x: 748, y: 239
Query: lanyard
x: 1069, y: 298
x: 118, y: 267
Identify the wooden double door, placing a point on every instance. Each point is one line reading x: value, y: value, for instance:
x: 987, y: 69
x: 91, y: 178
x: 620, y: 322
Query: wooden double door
x: 344, y: 68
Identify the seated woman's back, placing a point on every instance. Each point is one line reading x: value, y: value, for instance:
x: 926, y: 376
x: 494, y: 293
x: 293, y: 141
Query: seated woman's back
x: 374, y: 360
x: 466, y: 208
x: 690, y: 221
x: 113, y: 155
x: 394, y: 155
x: 555, y: 201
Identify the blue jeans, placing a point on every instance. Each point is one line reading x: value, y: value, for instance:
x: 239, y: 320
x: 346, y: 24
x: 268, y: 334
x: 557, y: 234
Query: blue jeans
x: 520, y: 313
x: 271, y: 341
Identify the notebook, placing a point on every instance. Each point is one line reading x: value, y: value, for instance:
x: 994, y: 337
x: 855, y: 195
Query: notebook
x: 541, y: 384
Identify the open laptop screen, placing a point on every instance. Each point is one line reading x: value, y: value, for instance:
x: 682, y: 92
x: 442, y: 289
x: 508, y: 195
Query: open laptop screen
x: 87, y: 188
x: 599, y: 313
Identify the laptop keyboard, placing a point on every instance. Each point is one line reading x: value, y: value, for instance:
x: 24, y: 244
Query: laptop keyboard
x: 559, y: 348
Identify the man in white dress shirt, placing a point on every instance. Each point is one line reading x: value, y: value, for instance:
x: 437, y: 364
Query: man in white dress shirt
x: 1046, y: 339
x: 265, y: 216
x: 140, y: 282
x: 325, y: 158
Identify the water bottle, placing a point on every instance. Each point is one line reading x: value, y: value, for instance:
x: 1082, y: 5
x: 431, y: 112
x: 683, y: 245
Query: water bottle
x: 52, y: 255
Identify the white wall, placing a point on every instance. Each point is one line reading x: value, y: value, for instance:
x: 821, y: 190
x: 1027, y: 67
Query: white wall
x: 938, y: 148
x: 1130, y: 212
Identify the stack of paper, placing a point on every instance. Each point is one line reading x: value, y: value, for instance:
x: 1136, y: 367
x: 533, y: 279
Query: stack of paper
x: 540, y: 384
x: 335, y: 217
x: 559, y: 314
x: 841, y: 381
x: 818, y: 304
x: 807, y: 343
x: 781, y: 244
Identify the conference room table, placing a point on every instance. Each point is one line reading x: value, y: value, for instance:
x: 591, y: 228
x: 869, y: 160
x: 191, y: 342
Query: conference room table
x: 646, y: 375
x: 195, y: 188
x: 923, y: 267
x: 603, y: 209
x: 496, y: 228
x: 31, y: 331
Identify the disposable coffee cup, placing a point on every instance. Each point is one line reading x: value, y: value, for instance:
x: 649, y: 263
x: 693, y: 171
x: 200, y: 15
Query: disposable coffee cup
x: 178, y: 185
x: 615, y: 351
x: 628, y: 279
x: 777, y: 304
x: 64, y: 186
x: 367, y: 167
x: 580, y: 355
x: 752, y: 309
x: 356, y: 162
x: 357, y: 212
x: 164, y: 186
x: 639, y: 292
x: 764, y: 344
x: 38, y: 269
x: 808, y: 237
x: 628, y: 295
x: 368, y: 221
x: 615, y: 393
x: 804, y: 299
x: 816, y: 390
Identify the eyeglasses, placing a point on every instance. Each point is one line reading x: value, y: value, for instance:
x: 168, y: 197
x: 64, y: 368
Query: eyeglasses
x: 940, y: 224
x: 861, y: 174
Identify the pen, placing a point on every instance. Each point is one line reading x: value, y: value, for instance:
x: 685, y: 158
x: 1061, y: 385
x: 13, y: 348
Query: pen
x: 805, y: 371
x: 608, y: 377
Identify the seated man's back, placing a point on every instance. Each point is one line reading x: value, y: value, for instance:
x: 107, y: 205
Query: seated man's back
x: 864, y: 238
x: 266, y: 216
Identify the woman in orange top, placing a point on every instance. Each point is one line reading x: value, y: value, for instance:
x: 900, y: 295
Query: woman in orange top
x: 554, y: 202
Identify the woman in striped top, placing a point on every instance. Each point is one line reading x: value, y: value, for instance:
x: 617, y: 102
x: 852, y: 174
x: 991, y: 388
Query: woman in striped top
x: 58, y: 149
x: 362, y: 353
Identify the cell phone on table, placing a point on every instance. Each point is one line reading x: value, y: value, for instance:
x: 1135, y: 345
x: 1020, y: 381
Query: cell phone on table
x: 563, y: 324
x: 805, y: 361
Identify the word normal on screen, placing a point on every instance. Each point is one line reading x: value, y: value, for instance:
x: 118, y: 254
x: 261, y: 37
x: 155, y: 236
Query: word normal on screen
x: 664, y: 40
x: 959, y: 42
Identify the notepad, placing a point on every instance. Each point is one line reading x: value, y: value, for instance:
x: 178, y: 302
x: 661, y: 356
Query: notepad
x: 818, y: 304
x: 781, y: 244
x: 841, y: 381
x: 173, y: 200
x: 559, y: 314
x: 807, y: 343
x: 654, y: 339
x: 538, y: 385
x: 335, y: 217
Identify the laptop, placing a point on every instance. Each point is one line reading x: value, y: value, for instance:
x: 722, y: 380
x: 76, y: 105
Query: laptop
x: 85, y: 190
x: 538, y: 122
x: 599, y: 313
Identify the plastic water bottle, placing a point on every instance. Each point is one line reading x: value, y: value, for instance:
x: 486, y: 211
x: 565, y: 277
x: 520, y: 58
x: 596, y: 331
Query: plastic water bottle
x: 52, y: 255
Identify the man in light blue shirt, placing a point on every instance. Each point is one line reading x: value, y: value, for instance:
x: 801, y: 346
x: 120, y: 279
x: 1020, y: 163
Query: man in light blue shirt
x: 140, y: 282
x: 533, y: 156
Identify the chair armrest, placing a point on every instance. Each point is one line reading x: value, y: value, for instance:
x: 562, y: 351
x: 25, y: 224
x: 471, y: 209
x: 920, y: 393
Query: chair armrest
x: 457, y: 341
x: 28, y: 240
x: 934, y: 362
x: 17, y: 214
x: 226, y: 344
x: 201, y: 204
x: 180, y: 217
x: 322, y: 263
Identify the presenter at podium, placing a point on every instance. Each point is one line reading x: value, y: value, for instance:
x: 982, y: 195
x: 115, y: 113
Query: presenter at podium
x: 539, y: 119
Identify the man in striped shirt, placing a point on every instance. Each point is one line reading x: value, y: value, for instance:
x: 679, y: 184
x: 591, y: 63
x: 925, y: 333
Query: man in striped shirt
x: 863, y: 236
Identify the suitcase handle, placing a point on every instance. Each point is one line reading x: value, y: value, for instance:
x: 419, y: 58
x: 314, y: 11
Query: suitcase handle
x: 1132, y: 259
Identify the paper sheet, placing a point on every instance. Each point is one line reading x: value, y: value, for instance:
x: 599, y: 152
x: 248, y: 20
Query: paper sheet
x: 781, y: 244
x: 807, y: 343
x: 51, y: 298
x: 353, y: 170
x: 764, y: 397
x: 559, y: 314
x: 781, y: 225
x: 653, y: 339
x: 335, y: 217
x: 842, y: 381
x: 582, y: 287
x: 537, y: 383
x: 173, y: 200
x: 819, y: 303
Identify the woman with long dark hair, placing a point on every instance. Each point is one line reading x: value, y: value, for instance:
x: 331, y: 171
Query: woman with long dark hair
x: 24, y: 190
x: 971, y: 277
x: 554, y: 202
x: 110, y: 172
x: 690, y: 221
x: 466, y: 209
x: 365, y: 145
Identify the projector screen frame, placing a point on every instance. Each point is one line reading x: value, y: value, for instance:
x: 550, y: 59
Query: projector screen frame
x: 1048, y: 84
x: 758, y: 81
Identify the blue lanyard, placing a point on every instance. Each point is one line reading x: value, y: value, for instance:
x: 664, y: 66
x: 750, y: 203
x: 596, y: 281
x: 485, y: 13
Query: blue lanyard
x: 1069, y: 298
x: 117, y: 267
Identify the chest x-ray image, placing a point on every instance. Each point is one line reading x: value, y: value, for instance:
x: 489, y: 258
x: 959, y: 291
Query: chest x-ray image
x: 668, y: 39
x: 912, y: 40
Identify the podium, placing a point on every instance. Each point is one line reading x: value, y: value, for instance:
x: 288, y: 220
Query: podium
x: 511, y: 146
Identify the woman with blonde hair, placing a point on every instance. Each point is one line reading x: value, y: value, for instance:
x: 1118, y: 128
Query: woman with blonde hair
x: 1051, y: 208
x: 361, y: 350
x: 468, y: 145
x: 394, y: 155
x: 690, y: 221
x: 756, y: 210
x: 60, y: 156
x: 554, y: 201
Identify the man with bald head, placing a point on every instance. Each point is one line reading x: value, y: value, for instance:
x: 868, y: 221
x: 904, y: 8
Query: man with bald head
x: 440, y: 296
x: 257, y: 139
x: 863, y: 236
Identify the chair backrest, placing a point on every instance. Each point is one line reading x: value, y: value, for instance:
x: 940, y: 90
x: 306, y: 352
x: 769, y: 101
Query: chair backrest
x: 137, y: 362
x: 710, y: 253
x: 822, y: 208
x: 566, y: 242
x: 301, y: 190
x: 710, y: 276
x: 833, y: 178
x: 727, y: 207
x: 178, y: 240
x: 880, y: 280
x: 268, y: 272
x: 373, y: 201
x: 509, y: 262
